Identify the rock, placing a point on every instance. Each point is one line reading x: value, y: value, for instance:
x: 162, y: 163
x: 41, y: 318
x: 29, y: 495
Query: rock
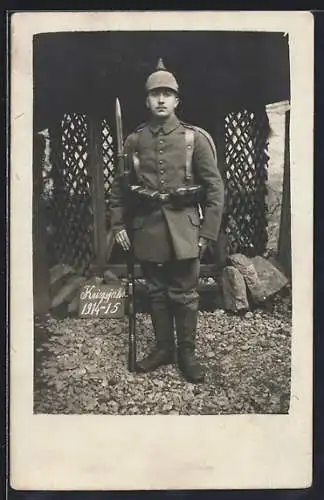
x: 222, y: 400
x: 67, y: 292
x: 109, y: 276
x: 234, y: 290
x: 70, y: 364
x: 91, y: 368
x: 158, y: 383
x: 73, y: 306
x: 210, y: 354
x: 59, y: 385
x: 113, y: 405
x: 270, y: 276
x: 245, y: 347
x: 176, y: 398
x: 112, y: 381
x: 186, y: 396
x: 247, y: 269
x: 79, y: 372
x: 196, y: 391
x: 58, y: 276
x: 248, y: 315
x: 91, y: 404
x: 167, y: 407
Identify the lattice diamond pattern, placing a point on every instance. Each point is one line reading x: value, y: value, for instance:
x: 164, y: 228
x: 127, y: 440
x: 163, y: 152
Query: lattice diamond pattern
x: 245, y: 181
x: 108, y: 157
x: 75, y: 153
x: 73, y: 203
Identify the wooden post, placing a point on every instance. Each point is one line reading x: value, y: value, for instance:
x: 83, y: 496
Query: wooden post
x: 41, y: 282
x: 220, y: 142
x: 284, y: 247
x: 98, y: 194
x: 55, y: 131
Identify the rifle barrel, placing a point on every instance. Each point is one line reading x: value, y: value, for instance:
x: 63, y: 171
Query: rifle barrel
x: 130, y: 263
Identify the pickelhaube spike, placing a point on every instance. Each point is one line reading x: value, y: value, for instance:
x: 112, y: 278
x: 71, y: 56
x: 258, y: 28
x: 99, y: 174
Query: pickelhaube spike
x: 161, y: 78
x: 160, y: 65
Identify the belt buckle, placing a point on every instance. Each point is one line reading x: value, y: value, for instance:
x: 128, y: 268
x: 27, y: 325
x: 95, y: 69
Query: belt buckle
x: 164, y: 197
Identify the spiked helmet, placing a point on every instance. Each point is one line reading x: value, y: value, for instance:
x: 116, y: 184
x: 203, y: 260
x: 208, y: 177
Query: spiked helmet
x: 161, y: 78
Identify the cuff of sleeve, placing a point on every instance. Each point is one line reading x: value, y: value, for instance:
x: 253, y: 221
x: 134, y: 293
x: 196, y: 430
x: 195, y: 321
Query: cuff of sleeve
x: 117, y: 229
x: 208, y: 236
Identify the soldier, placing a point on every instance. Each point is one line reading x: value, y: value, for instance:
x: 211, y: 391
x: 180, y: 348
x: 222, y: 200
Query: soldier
x: 171, y: 166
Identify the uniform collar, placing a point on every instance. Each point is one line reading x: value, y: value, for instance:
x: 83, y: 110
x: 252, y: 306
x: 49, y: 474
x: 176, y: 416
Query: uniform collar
x: 165, y: 128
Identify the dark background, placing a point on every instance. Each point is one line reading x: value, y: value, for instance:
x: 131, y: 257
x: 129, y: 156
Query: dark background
x: 216, y: 71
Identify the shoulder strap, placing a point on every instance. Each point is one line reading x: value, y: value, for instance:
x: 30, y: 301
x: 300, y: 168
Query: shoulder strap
x: 204, y: 133
x: 139, y: 128
x: 209, y: 139
x: 189, y: 141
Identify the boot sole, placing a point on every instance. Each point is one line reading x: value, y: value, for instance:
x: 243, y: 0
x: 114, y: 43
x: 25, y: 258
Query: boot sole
x: 192, y: 380
x: 141, y: 369
x: 199, y: 380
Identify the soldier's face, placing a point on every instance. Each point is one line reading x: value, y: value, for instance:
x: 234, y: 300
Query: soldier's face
x: 162, y: 102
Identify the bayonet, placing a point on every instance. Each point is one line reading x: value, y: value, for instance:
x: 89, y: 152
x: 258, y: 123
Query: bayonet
x: 119, y: 128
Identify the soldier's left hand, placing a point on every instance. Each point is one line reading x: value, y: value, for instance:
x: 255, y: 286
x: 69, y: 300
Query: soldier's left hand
x: 203, y: 242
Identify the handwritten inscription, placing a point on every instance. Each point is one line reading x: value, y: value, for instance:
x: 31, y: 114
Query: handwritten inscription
x: 102, y: 301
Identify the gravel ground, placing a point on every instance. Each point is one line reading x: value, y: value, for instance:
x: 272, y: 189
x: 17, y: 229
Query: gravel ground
x: 81, y: 366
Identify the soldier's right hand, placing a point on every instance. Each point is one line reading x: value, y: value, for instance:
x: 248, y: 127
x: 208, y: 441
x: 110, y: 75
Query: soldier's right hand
x: 123, y: 240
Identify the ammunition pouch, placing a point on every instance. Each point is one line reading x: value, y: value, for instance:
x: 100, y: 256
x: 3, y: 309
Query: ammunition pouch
x: 147, y: 199
x: 143, y: 199
x: 188, y: 196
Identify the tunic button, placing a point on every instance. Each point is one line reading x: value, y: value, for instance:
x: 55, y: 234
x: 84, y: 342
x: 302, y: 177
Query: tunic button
x: 160, y: 162
x: 161, y: 151
x: 162, y: 171
x: 162, y: 181
x: 161, y: 141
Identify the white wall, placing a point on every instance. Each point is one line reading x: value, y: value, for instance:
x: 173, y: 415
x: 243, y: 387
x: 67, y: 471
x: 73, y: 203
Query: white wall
x: 276, y: 145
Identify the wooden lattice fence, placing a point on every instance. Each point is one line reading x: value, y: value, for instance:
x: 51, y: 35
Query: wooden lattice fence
x: 68, y: 188
x: 70, y: 201
x: 246, y: 161
x: 108, y: 158
x: 80, y: 146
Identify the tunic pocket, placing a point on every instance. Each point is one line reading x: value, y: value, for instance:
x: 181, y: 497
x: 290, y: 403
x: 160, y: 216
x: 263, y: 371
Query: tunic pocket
x: 194, y: 219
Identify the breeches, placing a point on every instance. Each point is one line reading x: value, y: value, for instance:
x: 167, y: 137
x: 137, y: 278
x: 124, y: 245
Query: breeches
x: 174, y: 282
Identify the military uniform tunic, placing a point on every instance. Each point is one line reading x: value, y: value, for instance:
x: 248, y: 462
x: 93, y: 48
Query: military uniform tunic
x: 157, y: 158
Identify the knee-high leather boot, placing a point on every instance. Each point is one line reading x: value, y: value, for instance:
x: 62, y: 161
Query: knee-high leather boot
x: 186, y: 327
x: 164, y: 351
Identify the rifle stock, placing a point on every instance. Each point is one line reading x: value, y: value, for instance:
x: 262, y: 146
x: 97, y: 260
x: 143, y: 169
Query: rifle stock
x: 130, y: 289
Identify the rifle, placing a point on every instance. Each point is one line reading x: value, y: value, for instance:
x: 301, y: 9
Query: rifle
x: 130, y: 287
